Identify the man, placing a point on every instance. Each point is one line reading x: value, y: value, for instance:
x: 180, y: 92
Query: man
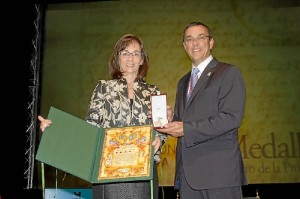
x: 206, y: 120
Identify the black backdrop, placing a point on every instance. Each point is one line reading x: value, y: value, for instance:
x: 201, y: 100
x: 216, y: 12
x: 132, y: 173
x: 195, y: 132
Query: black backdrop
x: 17, y: 47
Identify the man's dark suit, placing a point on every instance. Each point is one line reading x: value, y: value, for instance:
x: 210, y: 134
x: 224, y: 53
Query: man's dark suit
x: 209, y: 150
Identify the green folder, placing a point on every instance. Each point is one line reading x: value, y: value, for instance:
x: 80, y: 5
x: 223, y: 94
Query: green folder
x: 86, y: 151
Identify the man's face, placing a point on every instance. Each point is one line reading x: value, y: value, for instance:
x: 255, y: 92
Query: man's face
x: 197, y: 43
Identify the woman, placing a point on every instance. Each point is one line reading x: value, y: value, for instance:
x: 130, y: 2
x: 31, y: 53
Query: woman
x: 124, y: 101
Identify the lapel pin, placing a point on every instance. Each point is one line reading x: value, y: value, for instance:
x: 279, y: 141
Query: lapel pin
x: 208, y: 74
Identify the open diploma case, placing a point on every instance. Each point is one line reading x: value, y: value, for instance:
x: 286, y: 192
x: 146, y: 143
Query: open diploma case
x: 159, y: 110
x: 95, y: 154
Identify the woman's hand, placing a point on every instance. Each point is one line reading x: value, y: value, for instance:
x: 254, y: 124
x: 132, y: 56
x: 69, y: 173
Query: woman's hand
x: 44, y: 123
x: 156, y: 143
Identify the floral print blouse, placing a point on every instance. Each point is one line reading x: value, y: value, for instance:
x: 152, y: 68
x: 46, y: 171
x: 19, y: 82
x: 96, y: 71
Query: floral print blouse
x: 110, y: 106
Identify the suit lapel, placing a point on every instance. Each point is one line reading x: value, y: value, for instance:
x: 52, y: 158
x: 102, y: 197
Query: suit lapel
x: 202, y: 81
x: 186, y: 87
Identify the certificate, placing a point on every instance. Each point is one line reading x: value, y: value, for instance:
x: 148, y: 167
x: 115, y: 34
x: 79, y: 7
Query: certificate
x: 126, y: 153
x: 94, y: 154
x: 159, y: 110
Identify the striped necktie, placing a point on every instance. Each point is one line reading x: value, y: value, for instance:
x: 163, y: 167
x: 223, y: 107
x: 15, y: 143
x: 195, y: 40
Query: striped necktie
x: 193, y: 81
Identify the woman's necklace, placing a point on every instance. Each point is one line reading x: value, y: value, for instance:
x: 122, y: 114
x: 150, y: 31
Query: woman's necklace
x: 130, y: 90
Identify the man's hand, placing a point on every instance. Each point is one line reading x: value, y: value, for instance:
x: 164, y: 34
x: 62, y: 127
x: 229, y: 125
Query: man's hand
x: 174, y: 129
x: 170, y: 114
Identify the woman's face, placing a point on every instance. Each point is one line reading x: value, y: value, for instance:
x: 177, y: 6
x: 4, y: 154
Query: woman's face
x: 130, y: 59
